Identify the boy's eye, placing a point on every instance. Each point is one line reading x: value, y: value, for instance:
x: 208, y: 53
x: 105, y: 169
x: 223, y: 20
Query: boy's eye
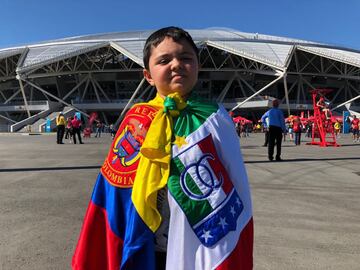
x: 163, y: 61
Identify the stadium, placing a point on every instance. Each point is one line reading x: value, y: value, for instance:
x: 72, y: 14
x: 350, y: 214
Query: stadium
x: 103, y: 73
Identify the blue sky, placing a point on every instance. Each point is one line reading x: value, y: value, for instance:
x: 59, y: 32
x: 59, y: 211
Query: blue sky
x: 328, y: 21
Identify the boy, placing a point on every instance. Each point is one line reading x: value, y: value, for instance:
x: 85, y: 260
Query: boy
x: 169, y: 176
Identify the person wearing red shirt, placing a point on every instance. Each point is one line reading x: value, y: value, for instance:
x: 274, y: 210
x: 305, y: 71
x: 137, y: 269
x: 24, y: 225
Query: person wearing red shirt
x: 76, y: 124
x: 323, y: 107
x: 297, y: 130
x: 355, y: 128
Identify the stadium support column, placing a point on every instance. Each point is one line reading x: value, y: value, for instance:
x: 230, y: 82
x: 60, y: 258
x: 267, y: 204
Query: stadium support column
x: 129, y: 102
x: 281, y: 75
x: 8, y: 119
x: 346, y: 102
x: 23, y: 94
x: 286, y: 93
x: 55, y: 97
x: 226, y: 89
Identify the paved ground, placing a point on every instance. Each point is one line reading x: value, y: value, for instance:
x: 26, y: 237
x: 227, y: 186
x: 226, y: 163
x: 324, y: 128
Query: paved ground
x: 306, y: 209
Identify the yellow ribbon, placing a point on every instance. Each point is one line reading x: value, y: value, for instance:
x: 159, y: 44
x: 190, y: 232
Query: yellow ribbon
x: 154, y: 166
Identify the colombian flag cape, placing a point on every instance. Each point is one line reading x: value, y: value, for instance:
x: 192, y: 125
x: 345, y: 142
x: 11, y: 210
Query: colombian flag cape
x: 192, y: 149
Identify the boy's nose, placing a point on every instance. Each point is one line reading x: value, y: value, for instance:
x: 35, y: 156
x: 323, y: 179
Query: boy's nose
x: 176, y: 64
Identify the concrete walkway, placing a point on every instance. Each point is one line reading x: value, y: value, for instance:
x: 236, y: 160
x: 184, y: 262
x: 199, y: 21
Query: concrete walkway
x: 306, y: 209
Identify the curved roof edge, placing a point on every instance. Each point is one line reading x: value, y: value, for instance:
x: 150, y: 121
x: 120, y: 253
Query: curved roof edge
x: 272, y: 51
x: 212, y: 33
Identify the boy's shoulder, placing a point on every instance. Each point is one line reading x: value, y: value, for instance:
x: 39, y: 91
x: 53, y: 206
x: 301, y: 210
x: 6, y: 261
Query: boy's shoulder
x: 120, y: 166
x: 205, y: 103
x: 139, y: 116
x: 143, y: 110
x: 195, y: 97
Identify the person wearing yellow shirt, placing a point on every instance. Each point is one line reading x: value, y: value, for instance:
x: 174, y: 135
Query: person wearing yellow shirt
x: 337, y: 127
x: 60, y: 128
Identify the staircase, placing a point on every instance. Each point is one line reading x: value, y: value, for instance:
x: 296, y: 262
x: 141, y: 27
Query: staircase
x: 37, y: 122
x: 26, y: 125
x: 67, y: 111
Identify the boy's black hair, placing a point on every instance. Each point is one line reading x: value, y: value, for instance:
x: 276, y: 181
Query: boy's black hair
x: 176, y: 33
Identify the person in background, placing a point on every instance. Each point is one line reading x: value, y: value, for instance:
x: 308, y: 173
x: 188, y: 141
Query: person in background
x: 76, y: 124
x: 69, y: 129
x: 99, y: 127
x: 287, y: 130
x: 297, y: 127
x: 60, y: 128
x: 245, y: 129
x: 355, y: 128
x: 242, y: 129
x: 290, y: 129
x: 309, y: 129
x: 238, y: 128
x: 337, y: 127
x: 276, y: 129
x: 265, y: 122
x: 324, y: 107
x: 112, y: 131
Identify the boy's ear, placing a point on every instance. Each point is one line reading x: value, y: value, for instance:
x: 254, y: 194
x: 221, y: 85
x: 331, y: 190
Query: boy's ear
x: 148, y: 77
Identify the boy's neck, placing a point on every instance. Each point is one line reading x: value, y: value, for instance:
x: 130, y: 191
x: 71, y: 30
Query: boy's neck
x: 184, y: 97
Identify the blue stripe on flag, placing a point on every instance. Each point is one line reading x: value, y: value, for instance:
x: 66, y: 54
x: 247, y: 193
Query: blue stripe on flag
x: 125, y: 222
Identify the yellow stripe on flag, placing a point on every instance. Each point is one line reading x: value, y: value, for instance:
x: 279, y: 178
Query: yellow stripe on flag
x: 154, y: 166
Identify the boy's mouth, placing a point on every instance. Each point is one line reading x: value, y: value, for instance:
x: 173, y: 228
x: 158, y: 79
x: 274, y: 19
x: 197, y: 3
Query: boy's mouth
x: 178, y: 77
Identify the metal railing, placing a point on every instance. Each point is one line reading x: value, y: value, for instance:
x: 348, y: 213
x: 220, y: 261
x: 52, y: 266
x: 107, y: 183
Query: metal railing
x: 4, y: 128
x: 30, y: 103
x: 92, y: 101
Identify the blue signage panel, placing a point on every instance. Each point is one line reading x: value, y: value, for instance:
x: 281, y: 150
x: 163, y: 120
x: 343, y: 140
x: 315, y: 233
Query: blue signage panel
x: 346, y: 122
x: 48, y: 125
x: 78, y: 115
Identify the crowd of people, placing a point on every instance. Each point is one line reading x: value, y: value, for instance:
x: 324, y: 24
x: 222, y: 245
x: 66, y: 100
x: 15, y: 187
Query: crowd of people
x: 243, y: 128
x: 71, y: 129
x: 295, y: 126
x: 276, y: 128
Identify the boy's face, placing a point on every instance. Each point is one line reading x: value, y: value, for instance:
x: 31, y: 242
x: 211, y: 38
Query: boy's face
x: 173, y: 67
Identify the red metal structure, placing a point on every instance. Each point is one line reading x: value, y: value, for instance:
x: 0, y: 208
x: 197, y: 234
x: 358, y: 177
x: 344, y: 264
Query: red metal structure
x: 87, y: 130
x: 322, y: 127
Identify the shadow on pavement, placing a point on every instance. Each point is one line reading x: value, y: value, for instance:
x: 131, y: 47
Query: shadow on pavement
x: 301, y: 159
x: 49, y: 168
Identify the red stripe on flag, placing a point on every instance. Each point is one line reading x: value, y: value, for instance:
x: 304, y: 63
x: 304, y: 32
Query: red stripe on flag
x: 242, y: 256
x: 98, y: 247
x: 207, y: 146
